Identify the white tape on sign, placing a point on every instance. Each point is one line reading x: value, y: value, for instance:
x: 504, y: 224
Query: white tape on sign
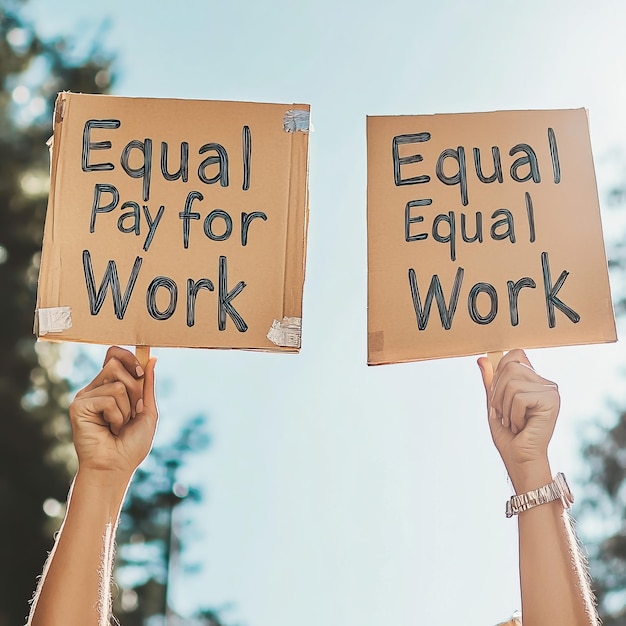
x: 296, y: 120
x: 53, y: 320
x: 287, y: 333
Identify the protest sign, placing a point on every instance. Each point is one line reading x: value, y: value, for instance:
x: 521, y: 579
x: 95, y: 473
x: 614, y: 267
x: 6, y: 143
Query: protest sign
x: 175, y: 223
x: 484, y: 234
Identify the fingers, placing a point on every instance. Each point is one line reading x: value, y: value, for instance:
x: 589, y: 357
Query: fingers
x: 116, y: 394
x: 518, y: 392
x: 514, y: 379
x: 106, y: 406
x: 513, y: 356
x: 121, y: 366
x: 529, y: 402
x: 498, y: 432
x: 494, y: 385
x: 149, y: 398
x: 126, y: 358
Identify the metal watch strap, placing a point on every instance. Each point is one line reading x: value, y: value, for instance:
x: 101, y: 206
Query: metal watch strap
x: 558, y: 489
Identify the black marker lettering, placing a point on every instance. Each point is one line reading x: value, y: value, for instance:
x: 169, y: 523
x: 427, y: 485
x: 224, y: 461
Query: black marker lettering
x: 96, y: 300
x: 221, y: 159
x: 446, y: 312
x: 224, y: 300
x: 554, y: 155
x: 246, y: 218
x: 89, y: 145
x: 551, y: 291
x: 183, y: 168
x: 472, y: 307
x: 208, y: 225
x: 185, y: 215
x: 531, y: 216
x: 408, y: 220
x: 497, y: 166
x: 151, y: 305
x: 145, y: 171
x: 134, y: 214
x: 246, y: 149
x: 398, y: 161
x: 507, y: 221
x: 98, y: 190
x: 193, y: 287
x: 152, y: 225
x: 479, y: 228
x: 514, y: 288
x: 460, y: 177
x: 529, y: 158
x: 450, y: 236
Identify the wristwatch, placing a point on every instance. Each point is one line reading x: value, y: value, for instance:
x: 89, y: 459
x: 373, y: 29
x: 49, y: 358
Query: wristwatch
x: 557, y: 489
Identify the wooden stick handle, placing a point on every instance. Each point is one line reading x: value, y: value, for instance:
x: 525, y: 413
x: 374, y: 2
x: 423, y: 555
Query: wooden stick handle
x: 494, y: 358
x: 143, y: 355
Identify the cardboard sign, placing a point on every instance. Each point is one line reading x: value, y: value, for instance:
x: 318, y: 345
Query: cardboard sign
x: 175, y: 223
x: 484, y: 234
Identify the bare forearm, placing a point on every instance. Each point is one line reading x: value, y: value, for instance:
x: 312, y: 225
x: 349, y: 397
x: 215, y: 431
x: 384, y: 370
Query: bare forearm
x: 74, y: 590
x: 554, y: 582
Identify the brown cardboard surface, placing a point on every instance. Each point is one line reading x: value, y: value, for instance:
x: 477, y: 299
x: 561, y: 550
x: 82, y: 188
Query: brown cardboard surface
x: 241, y: 160
x: 551, y: 212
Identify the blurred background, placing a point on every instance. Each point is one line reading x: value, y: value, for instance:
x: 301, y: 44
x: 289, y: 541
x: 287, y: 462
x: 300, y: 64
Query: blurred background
x: 324, y: 491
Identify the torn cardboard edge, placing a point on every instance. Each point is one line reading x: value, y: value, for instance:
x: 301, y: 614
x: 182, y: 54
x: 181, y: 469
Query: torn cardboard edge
x: 52, y: 320
x: 286, y: 333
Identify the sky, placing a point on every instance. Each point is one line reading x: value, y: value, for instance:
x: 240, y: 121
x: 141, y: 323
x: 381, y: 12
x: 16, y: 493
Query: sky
x: 338, y: 493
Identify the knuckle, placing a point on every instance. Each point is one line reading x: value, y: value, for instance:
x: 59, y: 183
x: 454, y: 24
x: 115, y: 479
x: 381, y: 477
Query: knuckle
x: 119, y: 388
x: 510, y: 365
x: 517, y: 353
x: 109, y: 402
x: 110, y: 368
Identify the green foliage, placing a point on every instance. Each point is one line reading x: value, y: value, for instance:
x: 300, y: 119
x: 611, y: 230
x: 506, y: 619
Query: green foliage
x: 152, y: 532
x: 35, y: 453
x: 603, y: 510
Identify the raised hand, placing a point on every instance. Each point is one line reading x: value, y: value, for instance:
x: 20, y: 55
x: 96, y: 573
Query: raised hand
x: 522, y: 408
x: 114, y: 418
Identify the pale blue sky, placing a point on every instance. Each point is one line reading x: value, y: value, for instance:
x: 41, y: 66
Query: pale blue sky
x: 338, y: 494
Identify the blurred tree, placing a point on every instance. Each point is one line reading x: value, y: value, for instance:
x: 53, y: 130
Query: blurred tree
x: 151, y: 533
x: 35, y: 454
x: 603, y: 507
x: 37, y: 459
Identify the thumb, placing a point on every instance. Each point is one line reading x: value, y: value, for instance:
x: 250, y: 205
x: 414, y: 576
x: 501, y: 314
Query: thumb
x: 486, y: 370
x: 498, y: 431
x: 149, y: 397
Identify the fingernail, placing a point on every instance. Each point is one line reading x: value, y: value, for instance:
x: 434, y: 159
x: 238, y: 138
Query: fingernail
x: 139, y: 371
x: 139, y: 407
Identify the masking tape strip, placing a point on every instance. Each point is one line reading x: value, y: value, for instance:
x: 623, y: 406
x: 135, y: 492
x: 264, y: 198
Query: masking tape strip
x: 296, y: 120
x: 53, y: 320
x: 287, y: 334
